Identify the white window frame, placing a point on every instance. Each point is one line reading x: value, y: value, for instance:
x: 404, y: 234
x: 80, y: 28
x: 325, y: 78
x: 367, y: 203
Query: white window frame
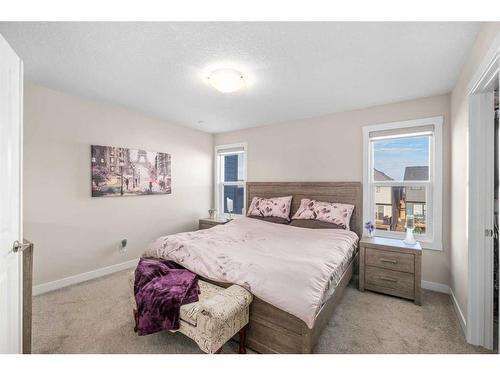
x: 219, y: 183
x: 432, y: 239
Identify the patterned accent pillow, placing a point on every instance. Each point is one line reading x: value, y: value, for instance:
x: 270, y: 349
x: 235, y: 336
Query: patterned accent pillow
x: 335, y: 213
x: 277, y: 207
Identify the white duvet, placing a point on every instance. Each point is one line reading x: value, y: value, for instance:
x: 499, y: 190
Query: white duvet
x: 291, y: 268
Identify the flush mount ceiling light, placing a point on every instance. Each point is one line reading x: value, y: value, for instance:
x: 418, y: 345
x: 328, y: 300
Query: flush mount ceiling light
x: 226, y: 80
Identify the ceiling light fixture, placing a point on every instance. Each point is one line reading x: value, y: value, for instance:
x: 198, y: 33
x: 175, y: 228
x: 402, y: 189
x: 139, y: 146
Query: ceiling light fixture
x: 226, y: 80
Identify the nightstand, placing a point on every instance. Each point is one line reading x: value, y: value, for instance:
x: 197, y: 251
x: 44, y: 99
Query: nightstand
x: 392, y: 267
x: 209, y: 223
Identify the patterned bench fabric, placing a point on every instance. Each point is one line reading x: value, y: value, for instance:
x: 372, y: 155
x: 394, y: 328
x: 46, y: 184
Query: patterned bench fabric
x: 218, y: 315
x: 189, y: 312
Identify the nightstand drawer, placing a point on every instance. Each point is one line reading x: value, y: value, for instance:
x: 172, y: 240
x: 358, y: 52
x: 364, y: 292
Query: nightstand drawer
x: 390, y: 260
x: 391, y: 282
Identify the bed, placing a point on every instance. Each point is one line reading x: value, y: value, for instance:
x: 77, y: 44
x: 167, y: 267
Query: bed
x: 297, y: 275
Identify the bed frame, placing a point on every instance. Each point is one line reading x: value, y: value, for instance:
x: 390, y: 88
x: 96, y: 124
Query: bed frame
x: 272, y: 330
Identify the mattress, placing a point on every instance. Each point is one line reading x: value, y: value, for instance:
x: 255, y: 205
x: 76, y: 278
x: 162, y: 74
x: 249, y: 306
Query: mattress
x: 294, y: 269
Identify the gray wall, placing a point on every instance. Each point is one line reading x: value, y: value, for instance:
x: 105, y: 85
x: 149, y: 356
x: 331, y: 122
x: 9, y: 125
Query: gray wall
x: 74, y: 233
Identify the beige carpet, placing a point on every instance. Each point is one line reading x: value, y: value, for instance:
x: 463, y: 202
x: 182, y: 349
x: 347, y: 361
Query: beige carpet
x: 95, y: 317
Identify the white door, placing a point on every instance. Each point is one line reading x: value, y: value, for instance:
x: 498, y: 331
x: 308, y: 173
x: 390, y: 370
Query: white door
x: 11, y: 81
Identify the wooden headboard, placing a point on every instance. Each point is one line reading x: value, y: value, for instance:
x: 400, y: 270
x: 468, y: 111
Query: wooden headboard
x: 335, y: 192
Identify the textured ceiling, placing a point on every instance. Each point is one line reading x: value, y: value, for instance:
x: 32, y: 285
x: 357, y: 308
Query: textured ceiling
x: 293, y: 70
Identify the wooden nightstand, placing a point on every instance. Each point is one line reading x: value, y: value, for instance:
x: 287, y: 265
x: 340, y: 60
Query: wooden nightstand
x: 390, y: 266
x: 209, y: 223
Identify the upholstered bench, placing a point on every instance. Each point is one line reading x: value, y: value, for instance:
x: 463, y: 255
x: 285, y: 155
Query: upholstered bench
x: 218, y: 315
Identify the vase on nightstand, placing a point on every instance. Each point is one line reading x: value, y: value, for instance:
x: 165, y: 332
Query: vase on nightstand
x: 212, y: 213
x: 410, y: 226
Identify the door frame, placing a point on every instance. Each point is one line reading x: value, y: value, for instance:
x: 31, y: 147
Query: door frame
x: 479, y: 326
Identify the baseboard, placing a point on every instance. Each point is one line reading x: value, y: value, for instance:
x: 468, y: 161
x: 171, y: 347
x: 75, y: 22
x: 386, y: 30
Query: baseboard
x: 461, y: 318
x: 435, y: 287
x: 76, y: 279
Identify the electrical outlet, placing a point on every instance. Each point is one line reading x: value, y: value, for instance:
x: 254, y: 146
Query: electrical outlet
x: 123, y: 246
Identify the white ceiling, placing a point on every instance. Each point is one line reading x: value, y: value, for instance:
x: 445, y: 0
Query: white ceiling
x: 293, y: 70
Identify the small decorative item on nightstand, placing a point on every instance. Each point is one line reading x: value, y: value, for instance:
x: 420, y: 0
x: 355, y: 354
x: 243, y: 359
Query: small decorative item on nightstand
x: 391, y: 266
x: 410, y: 226
x: 213, y: 213
x: 370, y: 228
x: 229, y: 204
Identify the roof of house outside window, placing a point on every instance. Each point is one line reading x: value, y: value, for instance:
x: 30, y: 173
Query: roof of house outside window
x: 418, y: 173
x: 380, y: 176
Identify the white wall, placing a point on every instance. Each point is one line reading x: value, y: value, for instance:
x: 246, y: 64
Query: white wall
x: 330, y: 148
x: 459, y: 176
x: 74, y: 233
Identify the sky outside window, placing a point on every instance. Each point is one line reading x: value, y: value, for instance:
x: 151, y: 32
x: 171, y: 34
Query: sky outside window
x: 392, y: 156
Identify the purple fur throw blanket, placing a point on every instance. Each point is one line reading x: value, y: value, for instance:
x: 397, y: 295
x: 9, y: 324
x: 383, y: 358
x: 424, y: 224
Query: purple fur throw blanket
x: 160, y: 288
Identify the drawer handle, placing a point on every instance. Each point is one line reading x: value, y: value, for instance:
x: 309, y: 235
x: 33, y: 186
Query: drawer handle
x: 388, y: 260
x: 388, y: 279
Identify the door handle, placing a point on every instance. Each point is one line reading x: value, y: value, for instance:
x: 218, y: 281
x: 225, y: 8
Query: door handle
x: 388, y: 260
x: 388, y: 279
x: 19, y: 246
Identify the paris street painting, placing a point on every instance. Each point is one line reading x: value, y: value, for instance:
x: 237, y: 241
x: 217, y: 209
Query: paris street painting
x: 118, y: 171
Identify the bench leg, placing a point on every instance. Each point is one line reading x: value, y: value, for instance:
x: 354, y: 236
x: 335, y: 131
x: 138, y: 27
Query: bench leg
x: 135, y: 319
x: 243, y: 337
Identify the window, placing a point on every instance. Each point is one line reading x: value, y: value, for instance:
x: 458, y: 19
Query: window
x: 402, y: 176
x: 231, y: 175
